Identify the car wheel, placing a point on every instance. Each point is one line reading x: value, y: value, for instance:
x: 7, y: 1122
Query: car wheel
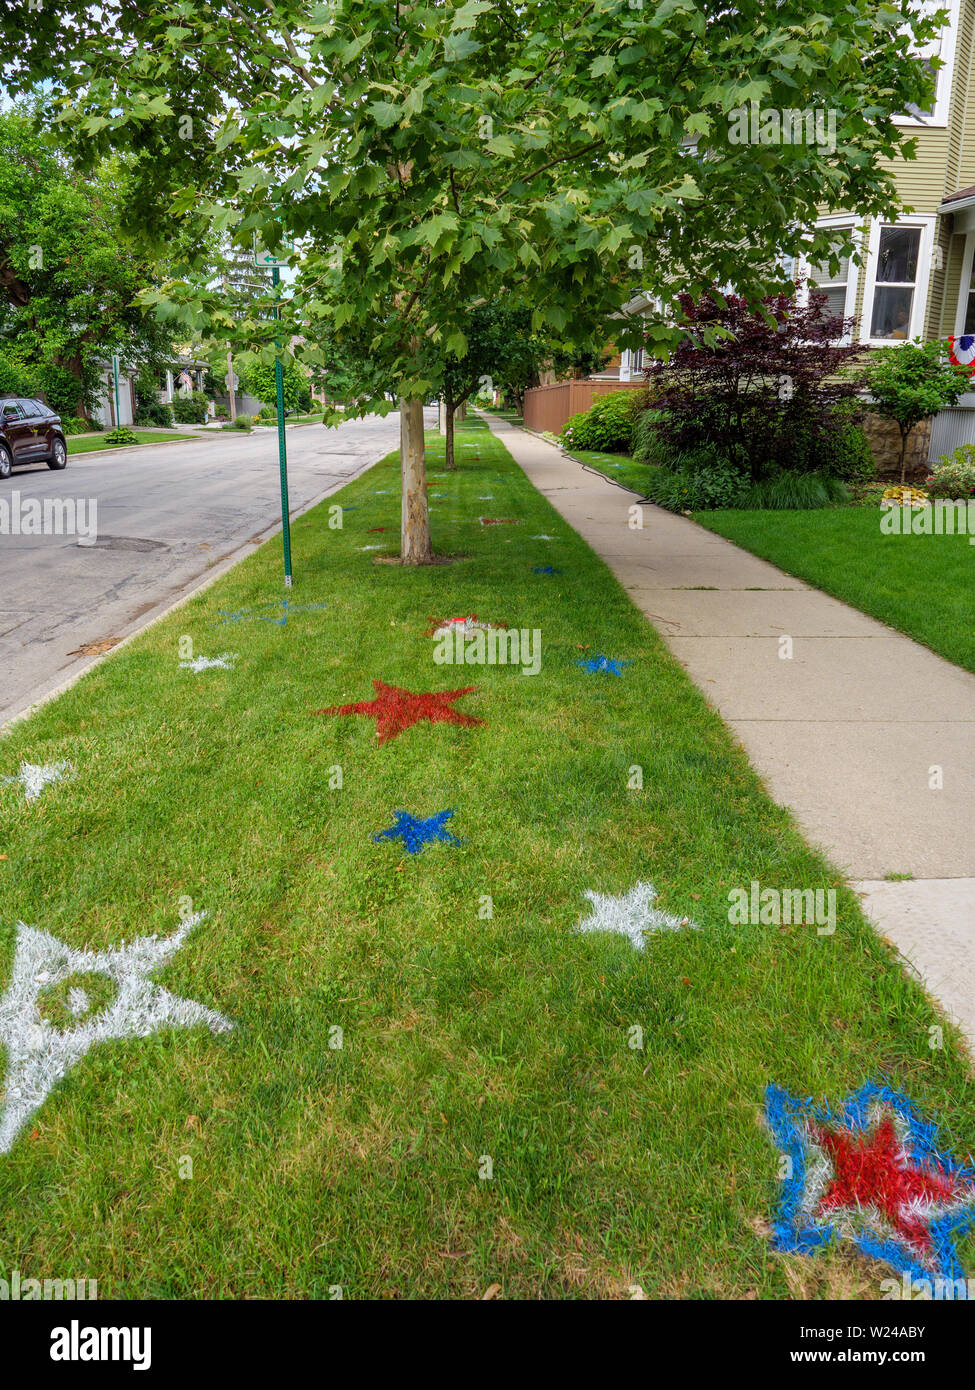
x: 59, y: 455
x: 6, y: 462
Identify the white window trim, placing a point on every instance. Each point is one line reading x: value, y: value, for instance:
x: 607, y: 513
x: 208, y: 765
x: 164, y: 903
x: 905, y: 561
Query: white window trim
x: 968, y: 256
x: 926, y: 223
x: 942, y: 105
x: 803, y: 267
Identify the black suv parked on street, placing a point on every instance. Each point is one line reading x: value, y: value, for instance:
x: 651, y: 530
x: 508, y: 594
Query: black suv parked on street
x: 30, y: 432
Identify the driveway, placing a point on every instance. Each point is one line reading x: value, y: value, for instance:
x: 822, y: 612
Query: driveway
x: 168, y: 517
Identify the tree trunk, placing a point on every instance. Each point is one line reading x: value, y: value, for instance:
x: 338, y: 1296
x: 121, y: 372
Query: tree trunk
x: 449, y: 440
x: 904, y: 437
x: 415, y: 544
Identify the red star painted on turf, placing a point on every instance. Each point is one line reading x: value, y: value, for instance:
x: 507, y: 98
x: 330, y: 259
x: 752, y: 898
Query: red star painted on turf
x: 395, y: 710
x: 874, y: 1171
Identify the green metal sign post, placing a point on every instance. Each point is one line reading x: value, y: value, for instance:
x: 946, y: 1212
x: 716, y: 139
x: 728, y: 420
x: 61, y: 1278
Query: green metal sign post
x: 118, y: 417
x: 270, y: 260
x: 282, y: 446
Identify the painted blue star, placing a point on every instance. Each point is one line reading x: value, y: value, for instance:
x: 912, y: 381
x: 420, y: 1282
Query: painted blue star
x: 252, y: 615
x: 604, y: 664
x: 416, y: 833
x: 545, y: 569
x: 871, y: 1173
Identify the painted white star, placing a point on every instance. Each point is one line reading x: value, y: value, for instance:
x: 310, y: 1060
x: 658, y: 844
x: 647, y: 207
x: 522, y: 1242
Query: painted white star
x: 225, y: 661
x: 36, y: 776
x: 468, y: 626
x: 39, y: 1054
x: 632, y: 914
x: 544, y: 538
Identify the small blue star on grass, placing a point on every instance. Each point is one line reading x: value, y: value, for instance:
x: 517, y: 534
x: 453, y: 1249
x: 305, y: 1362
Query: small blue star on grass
x: 545, y: 569
x: 603, y: 664
x: 416, y: 833
x: 250, y: 615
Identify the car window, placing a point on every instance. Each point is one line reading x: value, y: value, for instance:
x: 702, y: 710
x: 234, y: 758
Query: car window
x: 40, y: 408
x: 28, y: 407
x: 12, y: 411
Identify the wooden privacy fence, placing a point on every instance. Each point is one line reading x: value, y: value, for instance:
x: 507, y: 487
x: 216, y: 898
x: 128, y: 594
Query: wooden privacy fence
x: 549, y: 407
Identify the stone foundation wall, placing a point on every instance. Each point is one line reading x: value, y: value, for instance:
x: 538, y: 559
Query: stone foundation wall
x: 885, y: 441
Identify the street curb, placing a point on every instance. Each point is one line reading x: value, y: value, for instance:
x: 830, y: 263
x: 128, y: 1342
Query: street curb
x: 220, y: 568
x: 130, y: 448
x: 165, y: 443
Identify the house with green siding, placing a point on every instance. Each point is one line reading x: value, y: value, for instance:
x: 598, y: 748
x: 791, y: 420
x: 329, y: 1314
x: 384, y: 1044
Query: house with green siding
x: 916, y: 276
x: 915, y: 279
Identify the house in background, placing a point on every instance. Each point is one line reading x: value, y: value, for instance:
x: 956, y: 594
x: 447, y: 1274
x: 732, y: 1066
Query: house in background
x: 186, y: 377
x: 549, y: 406
x: 626, y: 365
x: 917, y: 273
x: 915, y: 277
x: 104, y: 413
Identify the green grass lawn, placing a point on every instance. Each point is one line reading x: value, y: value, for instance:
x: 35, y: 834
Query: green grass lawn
x: 921, y: 585
x: 85, y: 443
x: 470, y: 1044
x: 619, y: 468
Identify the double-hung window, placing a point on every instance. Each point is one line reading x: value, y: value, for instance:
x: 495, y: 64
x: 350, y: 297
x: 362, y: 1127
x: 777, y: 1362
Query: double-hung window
x: 937, y: 55
x: 839, y: 281
x: 897, y: 275
x: 895, y: 282
x: 834, y: 284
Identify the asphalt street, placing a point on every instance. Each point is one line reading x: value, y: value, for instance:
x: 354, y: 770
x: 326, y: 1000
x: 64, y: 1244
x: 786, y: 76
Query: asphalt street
x: 167, y: 515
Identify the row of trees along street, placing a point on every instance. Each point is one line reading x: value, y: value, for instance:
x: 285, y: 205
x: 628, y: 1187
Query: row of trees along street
x: 549, y: 160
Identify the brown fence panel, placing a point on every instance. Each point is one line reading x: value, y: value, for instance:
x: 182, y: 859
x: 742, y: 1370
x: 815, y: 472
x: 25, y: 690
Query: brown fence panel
x: 549, y: 407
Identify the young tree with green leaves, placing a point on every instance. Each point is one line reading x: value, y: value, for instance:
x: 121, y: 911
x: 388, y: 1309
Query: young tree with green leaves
x: 259, y: 382
x: 435, y: 155
x: 501, y: 349
x: 910, y: 383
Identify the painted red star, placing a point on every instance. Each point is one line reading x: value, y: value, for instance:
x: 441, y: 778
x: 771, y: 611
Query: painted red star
x: 873, y: 1170
x: 395, y: 710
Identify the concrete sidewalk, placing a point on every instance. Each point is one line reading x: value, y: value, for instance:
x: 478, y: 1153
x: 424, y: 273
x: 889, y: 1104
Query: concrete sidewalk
x: 846, y: 732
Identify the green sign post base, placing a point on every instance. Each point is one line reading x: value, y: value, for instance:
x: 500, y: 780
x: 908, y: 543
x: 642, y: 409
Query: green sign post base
x: 282, y: 449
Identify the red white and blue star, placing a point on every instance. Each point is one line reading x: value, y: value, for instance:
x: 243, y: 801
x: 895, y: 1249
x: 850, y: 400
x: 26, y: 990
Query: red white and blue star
x: 870, y: 1173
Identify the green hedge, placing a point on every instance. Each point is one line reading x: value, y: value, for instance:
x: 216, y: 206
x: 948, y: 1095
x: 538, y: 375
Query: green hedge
x: 607, y: 426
